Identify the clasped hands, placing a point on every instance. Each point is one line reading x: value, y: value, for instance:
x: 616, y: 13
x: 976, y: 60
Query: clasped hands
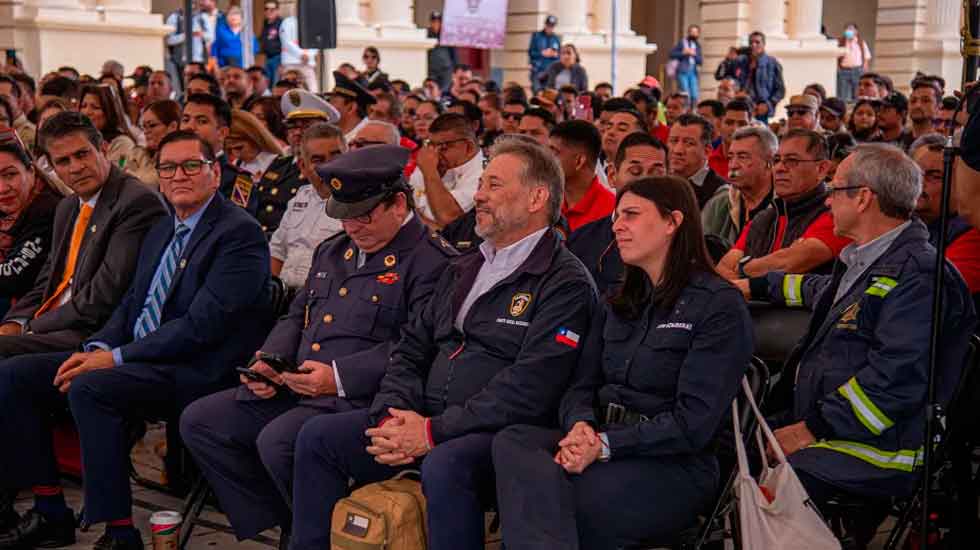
x: 400, y: 439
x: 579, y: 449
x: 80, y: 363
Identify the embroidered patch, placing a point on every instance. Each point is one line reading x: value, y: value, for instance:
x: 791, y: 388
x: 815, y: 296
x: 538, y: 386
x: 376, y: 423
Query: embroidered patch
x: 271, y: 175
x: 519, y: 303
x: 682, y: 326
x: 242, y: 191
x: 567, y: 337
x: 848, y: 319
x: 503, y: 321
x: 389, y: 278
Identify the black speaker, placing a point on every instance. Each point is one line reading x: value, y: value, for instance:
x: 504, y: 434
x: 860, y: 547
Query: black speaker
x: 317, y: 24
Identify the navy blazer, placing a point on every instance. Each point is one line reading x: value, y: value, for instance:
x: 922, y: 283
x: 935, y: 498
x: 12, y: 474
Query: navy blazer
x: 217, y: 311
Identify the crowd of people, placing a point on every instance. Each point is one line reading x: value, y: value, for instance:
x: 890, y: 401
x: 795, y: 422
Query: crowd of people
x: 540, y: 301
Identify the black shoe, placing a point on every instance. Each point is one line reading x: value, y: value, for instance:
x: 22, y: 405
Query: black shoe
x: 35, y: 530
x: 106, y: 542
x: 284, y: 540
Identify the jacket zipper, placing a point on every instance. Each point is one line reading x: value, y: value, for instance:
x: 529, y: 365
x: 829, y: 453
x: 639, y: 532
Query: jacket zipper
x: 452, y: 370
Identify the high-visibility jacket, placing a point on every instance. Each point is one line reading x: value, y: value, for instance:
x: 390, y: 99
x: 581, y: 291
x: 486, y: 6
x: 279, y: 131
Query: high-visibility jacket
x: 861, y: 371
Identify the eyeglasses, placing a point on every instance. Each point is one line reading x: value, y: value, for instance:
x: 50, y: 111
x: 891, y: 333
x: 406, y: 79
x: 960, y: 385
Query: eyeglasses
x: 791, y: 163
x: 845, y: 188
x: 798, y: 112
x: 193, y: 167
x: 442, y: 146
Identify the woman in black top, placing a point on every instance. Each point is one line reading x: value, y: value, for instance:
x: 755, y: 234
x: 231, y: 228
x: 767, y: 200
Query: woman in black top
x: 661, y: 364
x: 27, y: 206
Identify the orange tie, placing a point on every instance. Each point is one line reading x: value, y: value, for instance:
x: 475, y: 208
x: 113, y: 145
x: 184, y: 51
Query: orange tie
x: 76, y: 243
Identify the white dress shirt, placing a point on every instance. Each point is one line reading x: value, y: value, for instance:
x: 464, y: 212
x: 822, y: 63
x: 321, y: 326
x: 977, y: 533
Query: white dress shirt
x: 461, y: 182
x: 304, y: 225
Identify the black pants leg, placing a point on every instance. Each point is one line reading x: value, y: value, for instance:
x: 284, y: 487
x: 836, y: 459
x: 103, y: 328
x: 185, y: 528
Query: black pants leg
x: 221, y: 431
x: 625, y: 501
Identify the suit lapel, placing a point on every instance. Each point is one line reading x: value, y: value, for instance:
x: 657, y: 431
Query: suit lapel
x: 99, y: 221
x: 202, y: 230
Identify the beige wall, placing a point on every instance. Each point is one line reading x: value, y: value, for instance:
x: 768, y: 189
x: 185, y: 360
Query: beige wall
x: 838, y: 13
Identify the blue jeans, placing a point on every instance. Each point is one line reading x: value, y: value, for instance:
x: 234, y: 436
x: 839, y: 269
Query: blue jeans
x: 688, y: 83
x: 272, y: 69
x: 847, y: 83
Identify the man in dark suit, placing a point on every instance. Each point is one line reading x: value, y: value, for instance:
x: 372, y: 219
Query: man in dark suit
x: 209, y: 117
x: 690, y: 146
x: 198, y: 300
x: 96, y: 239
x: 362, y: 287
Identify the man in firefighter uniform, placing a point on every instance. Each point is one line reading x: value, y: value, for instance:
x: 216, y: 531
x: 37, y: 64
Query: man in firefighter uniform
x: 855, y: 425
x: 363, y: 285
x: 283, y: 179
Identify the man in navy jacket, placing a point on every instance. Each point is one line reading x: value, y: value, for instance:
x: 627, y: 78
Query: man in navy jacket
x: 199, y: 297
x: 762, y: 76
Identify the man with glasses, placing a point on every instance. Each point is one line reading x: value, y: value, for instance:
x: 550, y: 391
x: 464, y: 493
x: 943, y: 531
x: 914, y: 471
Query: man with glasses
x: 305, y: 223
x: 388, y: 109
x: 802, y: 112
x: 962, y: 240
x: 209, y: 117
x: 97, y: 233
x: 795, y: 234
x: 270, y: 39
x: 856, y: 421
x: 510, y: 116
x: 198, y: 297
x: 362, y: 287
x: 375, y: 132
x: 448, y: 172
x: 283, y: 179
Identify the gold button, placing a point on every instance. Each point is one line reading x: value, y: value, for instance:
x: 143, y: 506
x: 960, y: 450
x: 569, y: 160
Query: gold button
x: 293, y: 190
x: 375, y: 298
x: 269, y: 208
x: 275, y: 191
x: 328, y: 318
x: 315, y: 347
x: 342, y: 291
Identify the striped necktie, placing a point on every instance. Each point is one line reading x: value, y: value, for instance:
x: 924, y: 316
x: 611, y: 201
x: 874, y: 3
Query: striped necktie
x: 149, y: 319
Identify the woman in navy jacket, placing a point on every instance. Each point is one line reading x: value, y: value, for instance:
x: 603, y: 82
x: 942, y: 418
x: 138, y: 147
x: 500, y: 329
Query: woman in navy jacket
x: 660, y: 366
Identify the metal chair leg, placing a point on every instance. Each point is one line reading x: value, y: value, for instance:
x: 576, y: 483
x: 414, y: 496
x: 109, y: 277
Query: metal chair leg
x: 192, y: 510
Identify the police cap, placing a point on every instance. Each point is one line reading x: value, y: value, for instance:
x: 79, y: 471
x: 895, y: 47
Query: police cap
x: 350, y: 89
x: 300, y: 104
x: 362, y: 178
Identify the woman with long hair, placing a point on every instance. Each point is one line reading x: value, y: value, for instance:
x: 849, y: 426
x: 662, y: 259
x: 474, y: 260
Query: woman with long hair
x: 863, y: 123
x: 158, y: 119
x: 567, y: 71
x: 101, y: 104
x: 269, y: 111
x: 27, y: 206
x: 658, y: 371
x: 249, y: 145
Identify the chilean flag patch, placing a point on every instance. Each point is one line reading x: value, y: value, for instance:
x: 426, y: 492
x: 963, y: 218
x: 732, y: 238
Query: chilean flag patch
x: 567, y: 337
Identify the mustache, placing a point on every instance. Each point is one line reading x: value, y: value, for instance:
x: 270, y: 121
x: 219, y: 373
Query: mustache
x: 734, y: 173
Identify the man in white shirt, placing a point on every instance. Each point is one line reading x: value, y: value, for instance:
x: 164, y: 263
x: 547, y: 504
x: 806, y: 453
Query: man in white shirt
x: 294, y: 57
x: 305, y: 223
x: 448, y: 171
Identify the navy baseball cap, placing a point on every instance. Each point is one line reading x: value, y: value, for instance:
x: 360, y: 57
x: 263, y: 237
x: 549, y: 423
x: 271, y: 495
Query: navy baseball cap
x: 551, y: 21
x: 362, y: 178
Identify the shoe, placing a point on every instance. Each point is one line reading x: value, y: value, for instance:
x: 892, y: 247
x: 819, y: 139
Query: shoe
x: 106, y: 542
x: 35, y: 530
x: 284, y: 540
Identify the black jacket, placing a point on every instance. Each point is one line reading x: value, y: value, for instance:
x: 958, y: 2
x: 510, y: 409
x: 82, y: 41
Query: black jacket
x: 579, y: 78
x: 704, y: 192
x: 595, y: 244
x: 279, y: 183
x: 237, y: 186
x: 680, y: 367
x: 508, y: 366
x: 32, y: 242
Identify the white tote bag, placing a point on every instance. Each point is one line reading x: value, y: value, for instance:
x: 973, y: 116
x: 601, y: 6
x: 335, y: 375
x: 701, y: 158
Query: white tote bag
x: 788, y: 521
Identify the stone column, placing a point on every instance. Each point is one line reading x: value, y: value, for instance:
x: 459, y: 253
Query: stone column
x: 392, y: 13
x: 603, y: 16
x: 943, y: 19
x: 804, y: 19
x: 767, y: 17
x: 348, y: 13
x: 572, y: 17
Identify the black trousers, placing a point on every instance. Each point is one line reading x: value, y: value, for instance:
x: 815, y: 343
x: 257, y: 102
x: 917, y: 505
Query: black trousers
x: 62, y: 340
x: 102, y: 403
x: 457, y: 476
x: 624, y: 501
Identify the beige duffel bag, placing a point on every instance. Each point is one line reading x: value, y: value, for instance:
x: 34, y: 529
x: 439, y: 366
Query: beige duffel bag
x: 388, y: 515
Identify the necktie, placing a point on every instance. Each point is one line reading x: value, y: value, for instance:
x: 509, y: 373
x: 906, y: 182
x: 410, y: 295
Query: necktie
x: 77, y: 236
x: 149, y: 319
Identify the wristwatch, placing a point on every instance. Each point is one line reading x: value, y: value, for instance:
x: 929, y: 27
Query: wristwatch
x: 604, y: 452
x: 741, y: 266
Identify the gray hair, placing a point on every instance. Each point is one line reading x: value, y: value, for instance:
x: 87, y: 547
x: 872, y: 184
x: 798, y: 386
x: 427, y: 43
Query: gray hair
x: 893, y: 177
x: 932, y: 141
x: 768, y: 142
x: 394, y: 135
x: 541, y: 169
x: 324, y: 130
